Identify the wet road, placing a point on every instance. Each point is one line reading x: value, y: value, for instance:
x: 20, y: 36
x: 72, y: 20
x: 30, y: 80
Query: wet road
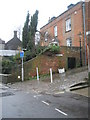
x: 19, y: 104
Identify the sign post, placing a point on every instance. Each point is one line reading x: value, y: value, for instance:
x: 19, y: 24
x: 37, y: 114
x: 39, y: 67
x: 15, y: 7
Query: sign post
x: 21, y: 56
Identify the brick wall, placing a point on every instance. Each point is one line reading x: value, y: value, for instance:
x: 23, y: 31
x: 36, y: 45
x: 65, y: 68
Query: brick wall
x: 46, y: 61
x: 87, y: 4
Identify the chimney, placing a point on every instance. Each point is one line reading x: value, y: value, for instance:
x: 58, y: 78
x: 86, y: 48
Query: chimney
x: 49, y: 19
x: 15, y: 33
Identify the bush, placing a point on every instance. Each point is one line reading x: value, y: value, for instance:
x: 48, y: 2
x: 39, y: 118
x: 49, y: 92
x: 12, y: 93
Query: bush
x: 29, y: 55
x: 6, y: 66
x: 39, y: 49
x: 54, y: 48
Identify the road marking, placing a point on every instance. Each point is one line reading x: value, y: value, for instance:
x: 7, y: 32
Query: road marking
x: 60, y: 92
x: 60, y: 111
x: 34, y: 96
x: 45, y: 102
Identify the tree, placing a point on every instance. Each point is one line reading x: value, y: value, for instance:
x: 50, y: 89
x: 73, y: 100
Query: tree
x: 32, y: 31
x: 25, y: 33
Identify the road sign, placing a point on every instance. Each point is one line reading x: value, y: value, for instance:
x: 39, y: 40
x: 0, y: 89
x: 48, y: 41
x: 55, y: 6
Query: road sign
x: 21, y: 54
x: 88, y: 33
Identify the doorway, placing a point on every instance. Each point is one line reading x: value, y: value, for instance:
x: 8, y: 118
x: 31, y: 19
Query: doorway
x: 71, y: 62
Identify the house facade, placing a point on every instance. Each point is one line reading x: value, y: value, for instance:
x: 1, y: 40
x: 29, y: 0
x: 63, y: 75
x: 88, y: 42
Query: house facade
x: 14, y: 43
x: 68, y: 29
x: 2, y: 44
x: 11, y: 48
x: 88, y: 33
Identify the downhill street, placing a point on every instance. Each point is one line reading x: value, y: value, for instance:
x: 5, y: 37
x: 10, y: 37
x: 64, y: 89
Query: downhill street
x: 21, y: 104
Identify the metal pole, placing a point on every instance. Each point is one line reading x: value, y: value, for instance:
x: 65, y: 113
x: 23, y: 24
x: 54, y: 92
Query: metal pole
x: 84, y: 30
x: 22, y: 71
x: 80, y: 54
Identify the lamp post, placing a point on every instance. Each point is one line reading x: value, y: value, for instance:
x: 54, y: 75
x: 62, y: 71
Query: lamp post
x: 80, y: 35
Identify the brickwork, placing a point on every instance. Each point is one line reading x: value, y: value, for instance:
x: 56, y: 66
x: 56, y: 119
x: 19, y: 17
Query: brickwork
x: 87, y: 4
x: 46, y: 61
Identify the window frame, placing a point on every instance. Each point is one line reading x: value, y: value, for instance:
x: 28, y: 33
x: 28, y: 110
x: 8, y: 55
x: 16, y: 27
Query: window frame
x: 46, y: 36
x: 55, y: 31
x: 68, y: 25
x: 69, y: 42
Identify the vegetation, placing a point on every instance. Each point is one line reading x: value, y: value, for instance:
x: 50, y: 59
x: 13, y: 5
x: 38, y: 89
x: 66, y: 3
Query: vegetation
x: 29, y: 30
x: 25, y: 33
x: 7, y: 66
x: 54, y: 48
x: 32, y: 31
x: 28, y: 42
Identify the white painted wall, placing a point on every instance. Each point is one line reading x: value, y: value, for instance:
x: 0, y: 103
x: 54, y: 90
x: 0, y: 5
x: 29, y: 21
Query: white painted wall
x: 8, y: 52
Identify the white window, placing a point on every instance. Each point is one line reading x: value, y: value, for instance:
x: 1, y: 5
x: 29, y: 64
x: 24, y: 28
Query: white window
x: 46, y: 36
x: 69, y: 42
x: 68, y: 25
x: 55, y: 31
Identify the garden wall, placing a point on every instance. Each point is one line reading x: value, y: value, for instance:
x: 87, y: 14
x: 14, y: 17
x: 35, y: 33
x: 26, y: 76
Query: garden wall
x: 46, y: 61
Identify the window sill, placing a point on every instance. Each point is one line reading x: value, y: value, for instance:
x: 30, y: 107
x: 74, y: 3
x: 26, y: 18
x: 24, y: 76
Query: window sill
x: 67, y: 31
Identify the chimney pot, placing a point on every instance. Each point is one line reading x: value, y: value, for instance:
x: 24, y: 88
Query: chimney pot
x: 15, y: 33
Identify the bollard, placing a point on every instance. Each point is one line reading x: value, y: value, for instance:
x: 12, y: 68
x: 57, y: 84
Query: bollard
x: 37, y: 73
x: 51, y: 75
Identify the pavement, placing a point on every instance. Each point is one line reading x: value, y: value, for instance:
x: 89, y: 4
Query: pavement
x: 61, y: 84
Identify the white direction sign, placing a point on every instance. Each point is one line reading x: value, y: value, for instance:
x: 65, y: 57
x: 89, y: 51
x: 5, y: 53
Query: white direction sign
x: 88, y: 33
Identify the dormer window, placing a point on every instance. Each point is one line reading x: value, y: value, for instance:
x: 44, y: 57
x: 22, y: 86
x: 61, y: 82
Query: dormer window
x: 68, y: 25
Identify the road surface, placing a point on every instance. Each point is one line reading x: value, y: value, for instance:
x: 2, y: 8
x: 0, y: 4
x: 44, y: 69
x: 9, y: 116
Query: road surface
x: 21, y: 104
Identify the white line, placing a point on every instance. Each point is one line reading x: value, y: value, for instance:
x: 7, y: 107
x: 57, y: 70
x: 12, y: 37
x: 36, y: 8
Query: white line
x: 38, y: 95
x: 60, y: 111
x: 34, y: 96
x: 45, y: 102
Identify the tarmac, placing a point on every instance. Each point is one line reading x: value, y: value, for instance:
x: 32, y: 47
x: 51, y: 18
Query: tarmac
x: 61, y: 84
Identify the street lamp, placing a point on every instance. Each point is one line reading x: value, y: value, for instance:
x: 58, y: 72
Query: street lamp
x: 80, y: 35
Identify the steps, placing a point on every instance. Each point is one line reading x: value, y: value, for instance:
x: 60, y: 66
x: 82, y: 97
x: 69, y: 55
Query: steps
x: 80, y: 85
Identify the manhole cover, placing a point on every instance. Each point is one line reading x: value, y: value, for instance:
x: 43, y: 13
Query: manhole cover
x: 6, y: 94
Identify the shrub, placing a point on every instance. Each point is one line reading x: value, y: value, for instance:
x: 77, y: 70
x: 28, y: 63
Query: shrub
x: 54, y: 48
x: 6, y: 67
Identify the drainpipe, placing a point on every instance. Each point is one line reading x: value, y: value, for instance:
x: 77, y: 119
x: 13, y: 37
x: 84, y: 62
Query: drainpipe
x: 83, y: 5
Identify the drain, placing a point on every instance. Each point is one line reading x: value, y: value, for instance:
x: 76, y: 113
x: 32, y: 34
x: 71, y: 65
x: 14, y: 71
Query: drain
x: 6, y: 94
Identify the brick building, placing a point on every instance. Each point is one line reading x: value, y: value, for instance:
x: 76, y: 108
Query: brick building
x: 2, y: 44
x: 65, y: 29
x: 87, y: 4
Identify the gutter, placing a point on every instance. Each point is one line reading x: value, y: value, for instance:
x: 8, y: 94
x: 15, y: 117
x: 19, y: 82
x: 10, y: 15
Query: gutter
x: 83, y: 5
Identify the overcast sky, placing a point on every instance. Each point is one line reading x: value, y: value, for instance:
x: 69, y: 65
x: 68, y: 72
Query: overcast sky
x: 13, y: 13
